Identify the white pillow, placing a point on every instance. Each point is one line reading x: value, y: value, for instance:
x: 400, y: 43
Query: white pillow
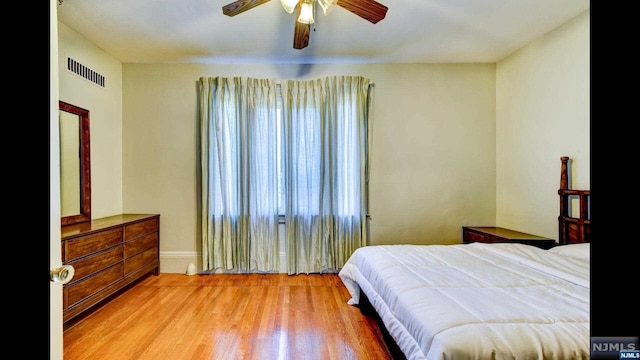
x: 580, y: 251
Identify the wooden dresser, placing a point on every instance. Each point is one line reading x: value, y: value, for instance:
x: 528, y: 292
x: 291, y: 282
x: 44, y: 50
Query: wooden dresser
x: 488, y: 234
x: 107, y: 254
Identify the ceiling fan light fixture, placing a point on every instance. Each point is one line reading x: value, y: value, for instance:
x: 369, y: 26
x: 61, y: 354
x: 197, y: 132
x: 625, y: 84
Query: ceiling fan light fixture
x: 369, y: 10
x: 289, y: 5
x: 306, y: 12
x: 327, y: 5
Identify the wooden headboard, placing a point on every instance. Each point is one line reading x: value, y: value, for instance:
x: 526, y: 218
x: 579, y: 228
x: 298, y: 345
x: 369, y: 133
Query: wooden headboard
x: 573, y: 229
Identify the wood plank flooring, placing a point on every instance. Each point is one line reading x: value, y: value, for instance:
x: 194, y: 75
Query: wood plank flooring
x: 251, y: 316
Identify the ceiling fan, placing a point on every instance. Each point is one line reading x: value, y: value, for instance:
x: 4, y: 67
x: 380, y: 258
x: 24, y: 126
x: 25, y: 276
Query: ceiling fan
x: 369, y: 10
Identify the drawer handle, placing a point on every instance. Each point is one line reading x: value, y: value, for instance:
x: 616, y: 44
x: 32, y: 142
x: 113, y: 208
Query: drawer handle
x: 62, y: 275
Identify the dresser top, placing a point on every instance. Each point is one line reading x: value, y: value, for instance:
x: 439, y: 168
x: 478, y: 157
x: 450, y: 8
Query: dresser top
x: 505, y: 233
x: 102, y: 224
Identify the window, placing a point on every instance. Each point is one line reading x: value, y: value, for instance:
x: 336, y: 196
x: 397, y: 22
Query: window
x: 281, y: 204
x: 298, y: 149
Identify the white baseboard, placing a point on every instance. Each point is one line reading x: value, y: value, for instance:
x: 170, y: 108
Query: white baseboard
x: 176, y: 262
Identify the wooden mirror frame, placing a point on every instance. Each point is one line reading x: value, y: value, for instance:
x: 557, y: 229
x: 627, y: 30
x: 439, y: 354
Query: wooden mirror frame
x: 85, y: 166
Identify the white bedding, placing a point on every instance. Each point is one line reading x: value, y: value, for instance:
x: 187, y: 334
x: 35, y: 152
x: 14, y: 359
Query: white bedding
x: 476, y: 301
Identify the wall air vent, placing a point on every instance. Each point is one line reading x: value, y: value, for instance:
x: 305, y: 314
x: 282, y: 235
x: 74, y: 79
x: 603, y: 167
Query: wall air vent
x: 83, y: 71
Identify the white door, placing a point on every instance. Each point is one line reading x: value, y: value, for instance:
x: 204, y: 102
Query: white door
x: 55, y: 254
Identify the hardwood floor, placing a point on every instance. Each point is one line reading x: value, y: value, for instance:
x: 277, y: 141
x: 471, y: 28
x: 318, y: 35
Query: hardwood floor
x: 254, y: 316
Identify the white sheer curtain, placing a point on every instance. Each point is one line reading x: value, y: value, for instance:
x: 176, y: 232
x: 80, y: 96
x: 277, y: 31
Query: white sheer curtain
x: 325, y: 160
x: 238, y: 172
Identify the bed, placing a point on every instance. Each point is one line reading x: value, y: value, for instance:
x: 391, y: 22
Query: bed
x: 480, y: 300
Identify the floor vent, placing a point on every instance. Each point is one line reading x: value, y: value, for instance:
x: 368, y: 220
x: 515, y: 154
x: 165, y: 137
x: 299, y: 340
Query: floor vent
x: 83, y: 71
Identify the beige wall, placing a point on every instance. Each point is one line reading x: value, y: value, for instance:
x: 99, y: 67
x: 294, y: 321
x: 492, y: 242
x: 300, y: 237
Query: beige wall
x: 542, y: 113
x: 433, y: 164
x: 105, y: 116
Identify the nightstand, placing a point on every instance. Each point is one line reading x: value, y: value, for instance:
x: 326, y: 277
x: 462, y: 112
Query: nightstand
x: 488, y: 234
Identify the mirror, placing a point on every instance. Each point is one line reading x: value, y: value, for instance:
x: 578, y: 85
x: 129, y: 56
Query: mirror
x: 75, y: 165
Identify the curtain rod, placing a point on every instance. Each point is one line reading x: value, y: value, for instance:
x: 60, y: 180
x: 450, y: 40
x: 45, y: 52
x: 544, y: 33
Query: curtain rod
x: 279, y: 82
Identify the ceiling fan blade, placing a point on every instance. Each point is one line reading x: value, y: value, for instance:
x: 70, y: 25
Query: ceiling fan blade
x: 240, y: 6
x: 301, y: 32
x: 370, y: 10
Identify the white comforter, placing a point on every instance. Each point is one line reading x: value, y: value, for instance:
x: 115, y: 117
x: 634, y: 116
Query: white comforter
x: 476, y: 301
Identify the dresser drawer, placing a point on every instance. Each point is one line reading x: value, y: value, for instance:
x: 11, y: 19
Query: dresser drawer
x: 132, y: 231
x: 142, y: 243
x: 475, y: 237
x: 91, y: 285
x: 141, y: 260
x: 94, y: 263
x: 85, y: 245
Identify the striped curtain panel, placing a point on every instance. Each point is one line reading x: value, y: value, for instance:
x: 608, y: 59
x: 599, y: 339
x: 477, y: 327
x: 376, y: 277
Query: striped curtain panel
x: 325, y: 157
x: 238, y: 174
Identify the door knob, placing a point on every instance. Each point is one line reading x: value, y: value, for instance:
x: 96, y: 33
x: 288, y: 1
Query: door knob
x: 62, y: 275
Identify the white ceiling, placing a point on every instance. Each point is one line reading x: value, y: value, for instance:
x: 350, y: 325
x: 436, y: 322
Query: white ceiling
x: 414, y: 31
